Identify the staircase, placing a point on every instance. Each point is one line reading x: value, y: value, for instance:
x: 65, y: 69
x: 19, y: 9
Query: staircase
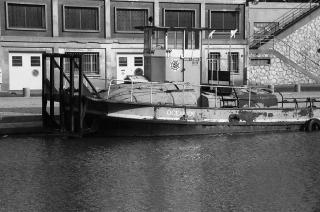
x: 282, y: 23
x: 293, y: 57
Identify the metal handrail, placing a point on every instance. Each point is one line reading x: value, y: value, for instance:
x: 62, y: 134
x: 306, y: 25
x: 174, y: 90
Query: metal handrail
x: 300, y: 58
x: 285, y: 19
x: 215, y: 87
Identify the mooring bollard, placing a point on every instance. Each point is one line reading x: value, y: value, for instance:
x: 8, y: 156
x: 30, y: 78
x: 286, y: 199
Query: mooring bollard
x: 297, y: 88
x: 26, y: 92
x: 271, y: 87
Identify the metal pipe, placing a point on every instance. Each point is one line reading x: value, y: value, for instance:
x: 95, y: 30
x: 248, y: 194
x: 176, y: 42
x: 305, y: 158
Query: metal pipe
x: 151, y: 93
x: 216, y: 96
x: 61, y: 96
x: 80, y: 105
x: 44, y: 90
x: 249, y: 104
x: 183, y: 95
x: 131, y: 91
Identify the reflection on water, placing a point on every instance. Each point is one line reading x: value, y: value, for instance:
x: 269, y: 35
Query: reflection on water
x: 251, y: 172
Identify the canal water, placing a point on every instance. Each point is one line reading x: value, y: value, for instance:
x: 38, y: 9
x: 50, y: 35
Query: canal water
x: 240, y: 172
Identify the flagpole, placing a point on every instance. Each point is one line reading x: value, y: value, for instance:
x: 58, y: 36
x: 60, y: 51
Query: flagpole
x: 230, y: 58
x: 209, y: 59
x: 232, y: 34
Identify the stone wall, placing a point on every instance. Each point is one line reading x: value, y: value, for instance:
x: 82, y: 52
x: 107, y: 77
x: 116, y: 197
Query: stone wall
x: 276, y: 73
x: 306, y: 40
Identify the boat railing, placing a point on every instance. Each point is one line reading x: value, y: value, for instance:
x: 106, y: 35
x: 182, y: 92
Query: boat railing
x: 214, y: 88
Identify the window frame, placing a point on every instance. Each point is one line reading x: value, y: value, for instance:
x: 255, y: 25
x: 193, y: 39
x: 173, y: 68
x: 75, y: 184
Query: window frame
x: 44, y: 19
x: 128, y: 8
x: 179, y: 9
x: 89, y: 74
x: 225, y: 32
x: 231, y: 61
x: 79, y: 7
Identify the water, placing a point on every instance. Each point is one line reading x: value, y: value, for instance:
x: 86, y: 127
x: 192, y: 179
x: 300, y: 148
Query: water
x: 248, y: 172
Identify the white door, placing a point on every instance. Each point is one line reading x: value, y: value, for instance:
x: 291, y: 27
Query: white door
x: 25, y: 71
x: 129, y: 64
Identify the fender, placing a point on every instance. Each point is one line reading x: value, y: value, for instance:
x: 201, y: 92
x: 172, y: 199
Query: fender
x: 312, y: 125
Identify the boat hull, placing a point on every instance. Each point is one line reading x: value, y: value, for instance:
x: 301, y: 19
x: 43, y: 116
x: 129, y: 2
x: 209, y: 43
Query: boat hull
x: 133, y: 127
x: 123, y: 119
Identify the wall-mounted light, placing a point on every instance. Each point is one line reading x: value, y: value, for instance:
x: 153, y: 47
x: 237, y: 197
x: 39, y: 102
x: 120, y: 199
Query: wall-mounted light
x: 254, y: 2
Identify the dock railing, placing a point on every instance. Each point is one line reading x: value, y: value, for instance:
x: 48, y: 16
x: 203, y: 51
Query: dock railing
x: 309, y: 102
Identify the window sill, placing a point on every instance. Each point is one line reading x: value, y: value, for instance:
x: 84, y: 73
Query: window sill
x: 27, y: 29
x: 81, y: 30
x: 129, y: 32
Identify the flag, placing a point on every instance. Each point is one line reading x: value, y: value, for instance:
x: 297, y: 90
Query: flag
x: 211, y: 34
x: 233, y: 33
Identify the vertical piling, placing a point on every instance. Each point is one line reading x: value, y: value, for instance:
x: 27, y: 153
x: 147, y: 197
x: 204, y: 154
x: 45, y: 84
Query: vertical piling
x: 61, y: 95
x: 80, y: 113
x: 52, y: 87
x: 71, y: 96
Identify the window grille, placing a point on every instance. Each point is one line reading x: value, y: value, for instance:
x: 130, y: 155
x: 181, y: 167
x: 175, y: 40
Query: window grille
x: 123, y: 61
x: 127, y: 19
x: 138, y: 61
x: 26, y: 16
x: 35, y: 61
x: 16, y: 61
x: 90, y: 63
x: 81, y: 18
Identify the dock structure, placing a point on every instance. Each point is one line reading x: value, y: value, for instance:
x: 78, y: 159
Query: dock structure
x: 63, y: 85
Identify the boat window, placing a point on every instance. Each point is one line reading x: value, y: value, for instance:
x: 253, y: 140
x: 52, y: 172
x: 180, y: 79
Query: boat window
x: 158, y: 40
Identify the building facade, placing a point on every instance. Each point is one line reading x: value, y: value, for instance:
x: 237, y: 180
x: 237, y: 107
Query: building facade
x: 104, y: 30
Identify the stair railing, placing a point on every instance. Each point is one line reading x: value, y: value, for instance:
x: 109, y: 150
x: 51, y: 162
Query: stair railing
x: 282, y: 22
x: 303, y: 60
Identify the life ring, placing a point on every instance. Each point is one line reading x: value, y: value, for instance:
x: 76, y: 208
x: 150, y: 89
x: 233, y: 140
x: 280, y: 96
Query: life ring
x: 313, y: 125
